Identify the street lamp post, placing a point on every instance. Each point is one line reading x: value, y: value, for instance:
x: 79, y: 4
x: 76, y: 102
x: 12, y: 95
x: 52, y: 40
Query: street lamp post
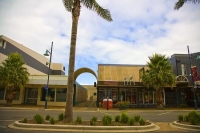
x: 48, y: 63
x: 193, y: 85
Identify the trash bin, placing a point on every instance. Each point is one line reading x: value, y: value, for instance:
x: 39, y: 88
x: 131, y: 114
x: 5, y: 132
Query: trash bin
x: 110, y: 103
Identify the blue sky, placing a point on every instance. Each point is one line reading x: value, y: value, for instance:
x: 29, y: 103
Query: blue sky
x: 139, y: 29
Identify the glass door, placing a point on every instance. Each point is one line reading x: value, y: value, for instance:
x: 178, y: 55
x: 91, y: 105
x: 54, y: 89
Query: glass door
x: 31, y: 95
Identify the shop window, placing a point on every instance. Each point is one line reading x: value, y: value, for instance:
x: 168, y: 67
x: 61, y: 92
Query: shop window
x: 61, y: 95
x: 146, y: 97
x: 183, y: 70
x: 108, y: 93
x: 133, y: 97
x: 51, y: 94
x: 2, y: 92
x: 128, y: 95
x: 102, y: 94
x: 114, y: 95
x: 141, y: 97
x: 122, y: 94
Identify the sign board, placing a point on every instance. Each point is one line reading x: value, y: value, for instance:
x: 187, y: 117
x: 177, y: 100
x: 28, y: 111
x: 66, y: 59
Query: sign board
x: 110, y: 83
x: 46, y: 87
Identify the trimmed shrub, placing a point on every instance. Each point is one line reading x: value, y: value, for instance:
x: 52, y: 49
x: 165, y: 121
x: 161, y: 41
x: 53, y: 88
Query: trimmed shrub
x: 92, y: 122
x: 79, y: 120
x: 38, y: 119
x: 194, y: 121
x: 186, y: 118
x: 131, y: 121
x: 106, y: 120
x: 47, y: 117
x: 124, y: 118
x: 60, y: 117
x: 137, y: 118
x: 117, y: 118
x: 25, y: 120
x: 142, y: 122
x: 94, y: 118
x: 194, y: 118
x: 180, y: 118
x: 52, y: 121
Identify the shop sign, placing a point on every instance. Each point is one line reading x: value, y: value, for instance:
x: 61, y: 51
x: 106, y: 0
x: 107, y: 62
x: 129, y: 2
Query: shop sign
x: 110, y: 83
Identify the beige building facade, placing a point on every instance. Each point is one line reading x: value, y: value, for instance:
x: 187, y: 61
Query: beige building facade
x: 35, y: 90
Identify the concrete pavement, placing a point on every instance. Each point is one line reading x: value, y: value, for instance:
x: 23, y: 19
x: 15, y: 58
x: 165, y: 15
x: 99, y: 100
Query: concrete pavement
x: 164, y: 126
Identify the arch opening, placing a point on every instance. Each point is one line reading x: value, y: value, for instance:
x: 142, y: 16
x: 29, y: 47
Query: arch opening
x: 83, y: 70
x: 181, y: 78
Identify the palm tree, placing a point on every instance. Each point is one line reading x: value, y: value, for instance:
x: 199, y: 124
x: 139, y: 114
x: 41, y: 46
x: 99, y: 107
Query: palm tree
x: 180, y: 3
x: 74, y: 6
x: 13, y: 75
x: 158, y: 74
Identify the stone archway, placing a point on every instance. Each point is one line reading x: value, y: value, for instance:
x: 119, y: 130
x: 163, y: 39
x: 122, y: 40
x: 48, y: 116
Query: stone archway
x: 80, y: 71
x: 83, y: 70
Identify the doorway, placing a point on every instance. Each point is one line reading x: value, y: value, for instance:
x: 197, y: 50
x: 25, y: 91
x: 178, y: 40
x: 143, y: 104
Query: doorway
x: 31, y: 95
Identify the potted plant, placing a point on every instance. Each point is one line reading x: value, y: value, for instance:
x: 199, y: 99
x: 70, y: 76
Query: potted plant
x: 122, y: 105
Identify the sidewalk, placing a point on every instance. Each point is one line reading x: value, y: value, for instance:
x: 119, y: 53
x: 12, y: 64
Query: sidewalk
x: 25, y: 106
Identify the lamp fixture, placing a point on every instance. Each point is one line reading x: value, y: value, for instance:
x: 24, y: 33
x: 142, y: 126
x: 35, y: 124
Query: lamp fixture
x: 46, y: 53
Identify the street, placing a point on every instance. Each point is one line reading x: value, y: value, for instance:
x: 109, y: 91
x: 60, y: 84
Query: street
x: 10, y: 115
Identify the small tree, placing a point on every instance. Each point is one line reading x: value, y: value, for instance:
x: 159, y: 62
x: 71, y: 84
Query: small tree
x: 13, y: 75
x: 158, y: 74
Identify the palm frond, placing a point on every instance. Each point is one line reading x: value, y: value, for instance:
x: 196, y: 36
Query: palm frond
x: 179, y: 4
x: 68, y: 4
x: 93, y: 5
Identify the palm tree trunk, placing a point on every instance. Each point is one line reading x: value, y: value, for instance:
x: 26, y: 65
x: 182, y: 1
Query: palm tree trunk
x: 159, y: 99
x: 70, y: 84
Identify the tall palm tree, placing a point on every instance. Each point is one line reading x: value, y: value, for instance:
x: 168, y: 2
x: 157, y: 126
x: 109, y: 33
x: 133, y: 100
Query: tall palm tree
x: 158, y: 74
x: 74, y: 6
x: 13, y: 75
x: 180, y: 3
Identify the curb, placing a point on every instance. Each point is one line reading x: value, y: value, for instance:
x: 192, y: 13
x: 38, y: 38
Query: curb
x: 81, y: 128
x: 185, y: 126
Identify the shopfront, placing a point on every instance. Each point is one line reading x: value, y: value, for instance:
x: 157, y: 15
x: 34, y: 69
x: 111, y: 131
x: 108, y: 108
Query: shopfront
x: 136, y: 94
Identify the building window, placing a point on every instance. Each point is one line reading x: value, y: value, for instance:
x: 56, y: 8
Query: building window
x: 3, y: 44
x: 141, y: 97
x: 61, y: 95
x: 2, y: 92
x: 51, y: 94
x: 146, y: 97
x: 114, y: 95
x: 183, y: 69
x: 95, y: 94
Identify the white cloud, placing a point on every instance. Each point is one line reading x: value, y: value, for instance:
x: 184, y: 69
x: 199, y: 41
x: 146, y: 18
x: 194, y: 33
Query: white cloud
x: 139, y: 29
